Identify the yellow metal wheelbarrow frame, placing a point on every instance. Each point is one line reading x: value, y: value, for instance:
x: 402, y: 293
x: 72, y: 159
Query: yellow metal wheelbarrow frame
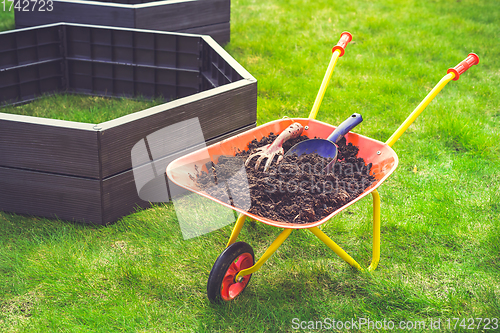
x: 453, y: 74
x: 233, y: 269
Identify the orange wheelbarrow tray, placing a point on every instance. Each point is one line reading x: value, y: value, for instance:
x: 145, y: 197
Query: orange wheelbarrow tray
x: 234, y: 267
x: 384, y: 161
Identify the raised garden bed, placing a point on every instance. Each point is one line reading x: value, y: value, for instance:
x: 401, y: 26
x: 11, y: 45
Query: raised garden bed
x: 207, y: 17
x: 83, y: 172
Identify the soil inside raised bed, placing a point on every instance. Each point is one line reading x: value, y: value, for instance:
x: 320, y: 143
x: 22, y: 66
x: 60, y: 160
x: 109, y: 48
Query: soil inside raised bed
x: 296, y: 190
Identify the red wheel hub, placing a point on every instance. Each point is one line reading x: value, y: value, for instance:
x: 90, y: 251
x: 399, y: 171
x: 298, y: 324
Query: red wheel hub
x: 229, y: 288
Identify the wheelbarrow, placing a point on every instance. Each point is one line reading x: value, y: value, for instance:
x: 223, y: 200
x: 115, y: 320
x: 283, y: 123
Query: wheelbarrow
x: 235, y: 265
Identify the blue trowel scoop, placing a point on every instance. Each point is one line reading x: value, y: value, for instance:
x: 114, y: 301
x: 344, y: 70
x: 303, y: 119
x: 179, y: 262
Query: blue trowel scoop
x: 326, y: 148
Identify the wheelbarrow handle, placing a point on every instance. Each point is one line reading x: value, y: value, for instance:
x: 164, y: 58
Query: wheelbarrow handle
x: 471, y: 60
x: 453, y: 73
x: 338, y: 51
x: 345, y: 38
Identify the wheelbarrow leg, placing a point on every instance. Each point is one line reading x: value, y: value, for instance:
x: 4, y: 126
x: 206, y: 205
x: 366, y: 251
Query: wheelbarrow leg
x: 376, y: 238
x: 270, y: 250
x: 376, y: 231
x: 236, y: 229
x: 332, y: 245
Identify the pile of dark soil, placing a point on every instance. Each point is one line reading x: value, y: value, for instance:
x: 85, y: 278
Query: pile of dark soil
x: 296, y: 190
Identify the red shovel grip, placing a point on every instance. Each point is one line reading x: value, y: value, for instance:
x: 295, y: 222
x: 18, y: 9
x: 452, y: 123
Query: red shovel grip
x: 345, y: 38
x: 471, y: 60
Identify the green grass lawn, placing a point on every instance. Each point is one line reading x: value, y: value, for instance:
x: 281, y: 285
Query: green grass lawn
x: 81, y: 108
x: 440, y: 254
x: 6, y: 19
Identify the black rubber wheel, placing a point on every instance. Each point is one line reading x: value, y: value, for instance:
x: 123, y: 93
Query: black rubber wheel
x: 221, y: 285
